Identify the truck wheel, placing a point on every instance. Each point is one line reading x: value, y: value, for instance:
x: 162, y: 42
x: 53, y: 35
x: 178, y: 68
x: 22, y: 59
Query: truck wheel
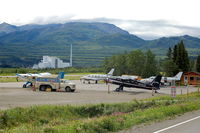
x: 49, y: 87
x: 42, y: 88
x: 68, y: 89
x: 72, y: 90
x: 24, y: 85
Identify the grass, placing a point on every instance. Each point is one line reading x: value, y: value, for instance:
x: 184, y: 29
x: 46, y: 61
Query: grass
x: 7, y: 79
x: 100, y: 118
x: 72, y: 77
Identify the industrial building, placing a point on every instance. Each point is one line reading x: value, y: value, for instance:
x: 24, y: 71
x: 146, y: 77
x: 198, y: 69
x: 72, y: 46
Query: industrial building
x: 51, y: 62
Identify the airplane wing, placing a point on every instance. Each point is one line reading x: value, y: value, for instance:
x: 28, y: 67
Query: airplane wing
x: 91, y: 78
x: 27, y: 76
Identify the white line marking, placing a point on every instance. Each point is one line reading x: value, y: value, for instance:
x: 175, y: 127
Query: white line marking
x: 177, y: 125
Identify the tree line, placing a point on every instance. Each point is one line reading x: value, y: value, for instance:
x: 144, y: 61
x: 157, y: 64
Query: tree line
x: 134, y: 63
x: 146, y: 64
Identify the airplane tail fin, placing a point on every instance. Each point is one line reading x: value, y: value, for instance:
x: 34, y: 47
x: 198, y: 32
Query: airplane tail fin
x: 178, y: 75
x: 111, y: 71
x: 156, y: 82
x: 61, y: 75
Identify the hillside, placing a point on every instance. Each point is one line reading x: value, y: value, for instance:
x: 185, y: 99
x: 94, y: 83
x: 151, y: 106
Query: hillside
x: 92, y: 42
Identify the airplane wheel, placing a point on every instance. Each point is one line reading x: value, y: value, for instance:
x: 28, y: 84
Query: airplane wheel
x: 68, y: 89
x: 117, y: 89
x: 121, y: 88
x: 24, y: 85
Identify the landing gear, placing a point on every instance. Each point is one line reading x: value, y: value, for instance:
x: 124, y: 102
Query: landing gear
x: 121, y: 87
x: 24, y: 85
x: 27, y: 84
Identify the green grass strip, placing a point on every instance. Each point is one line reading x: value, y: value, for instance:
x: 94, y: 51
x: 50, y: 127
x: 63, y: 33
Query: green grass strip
x: 95, y: 118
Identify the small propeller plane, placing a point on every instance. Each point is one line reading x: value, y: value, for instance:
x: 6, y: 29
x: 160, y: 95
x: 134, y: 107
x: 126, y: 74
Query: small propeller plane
x: 154, y: 85
x: 164, y: 80
x: 97, y: 77
x: 30, y: 77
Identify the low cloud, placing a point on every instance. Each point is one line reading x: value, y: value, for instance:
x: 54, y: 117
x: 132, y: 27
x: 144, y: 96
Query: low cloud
x: 156, y: 29
x: 145, y: 29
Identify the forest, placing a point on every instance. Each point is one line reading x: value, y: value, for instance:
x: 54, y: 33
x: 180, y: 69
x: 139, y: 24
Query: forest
x: 145, y: 64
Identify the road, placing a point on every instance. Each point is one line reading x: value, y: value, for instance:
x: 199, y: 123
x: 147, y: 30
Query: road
x: 188, y: 126
x: 187, y: 123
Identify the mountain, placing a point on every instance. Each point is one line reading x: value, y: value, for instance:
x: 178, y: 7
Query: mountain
x: 166, y: 42
x: 7, y: 28
x: 92, y: 42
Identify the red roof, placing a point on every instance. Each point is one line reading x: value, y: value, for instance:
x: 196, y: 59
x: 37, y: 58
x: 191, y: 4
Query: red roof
x: 192, y: 73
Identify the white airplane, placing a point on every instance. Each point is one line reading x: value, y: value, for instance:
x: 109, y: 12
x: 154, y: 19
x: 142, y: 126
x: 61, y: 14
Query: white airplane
x: 97, y: 77
x: 30, y: 77
x: 129, y: 77
x: 164, y: 80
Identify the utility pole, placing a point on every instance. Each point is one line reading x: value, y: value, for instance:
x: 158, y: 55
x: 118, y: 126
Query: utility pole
x: 71, y: 56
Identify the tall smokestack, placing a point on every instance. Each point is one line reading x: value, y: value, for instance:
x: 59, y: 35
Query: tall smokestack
x: 71, y: 56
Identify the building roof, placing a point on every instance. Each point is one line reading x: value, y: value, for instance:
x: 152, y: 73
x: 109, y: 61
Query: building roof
x: 192, y: 73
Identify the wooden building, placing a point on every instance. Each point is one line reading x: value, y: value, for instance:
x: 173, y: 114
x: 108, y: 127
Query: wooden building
x: 190, y: 78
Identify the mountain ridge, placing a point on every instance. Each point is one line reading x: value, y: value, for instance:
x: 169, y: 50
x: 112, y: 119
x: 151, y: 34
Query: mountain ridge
x: 92, y: 42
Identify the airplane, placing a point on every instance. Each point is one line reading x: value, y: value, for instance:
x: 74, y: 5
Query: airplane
x: 154, y: 85
x: 164, y: 80
x: 30, y: 77
x: 97, y: 77
x: 130, y: 77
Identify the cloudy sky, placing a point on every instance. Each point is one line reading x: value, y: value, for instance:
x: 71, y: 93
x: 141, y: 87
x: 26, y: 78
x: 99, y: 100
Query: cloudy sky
x: 148, y: 19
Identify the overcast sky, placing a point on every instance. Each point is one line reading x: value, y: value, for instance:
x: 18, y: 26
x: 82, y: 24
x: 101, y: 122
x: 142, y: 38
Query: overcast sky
x: 145, y: 18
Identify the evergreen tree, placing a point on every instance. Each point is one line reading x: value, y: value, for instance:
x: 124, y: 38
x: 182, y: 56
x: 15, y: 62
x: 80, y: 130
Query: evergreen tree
x: 180, y: 57
x: 175, y: 53
x: 192, y: 65
x: 198, y: 64
x: 169, y: 53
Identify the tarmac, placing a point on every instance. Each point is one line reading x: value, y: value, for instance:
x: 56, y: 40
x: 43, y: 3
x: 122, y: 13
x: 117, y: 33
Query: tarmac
x: 13, y: 95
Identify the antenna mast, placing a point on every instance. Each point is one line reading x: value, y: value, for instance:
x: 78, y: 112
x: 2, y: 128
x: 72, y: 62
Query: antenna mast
x: 71, y: 56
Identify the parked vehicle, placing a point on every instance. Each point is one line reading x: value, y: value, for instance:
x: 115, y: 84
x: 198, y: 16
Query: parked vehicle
x: 54, y: 84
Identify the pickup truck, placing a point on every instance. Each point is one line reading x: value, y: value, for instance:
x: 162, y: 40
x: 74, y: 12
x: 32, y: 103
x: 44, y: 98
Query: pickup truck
x: 54, y: 84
